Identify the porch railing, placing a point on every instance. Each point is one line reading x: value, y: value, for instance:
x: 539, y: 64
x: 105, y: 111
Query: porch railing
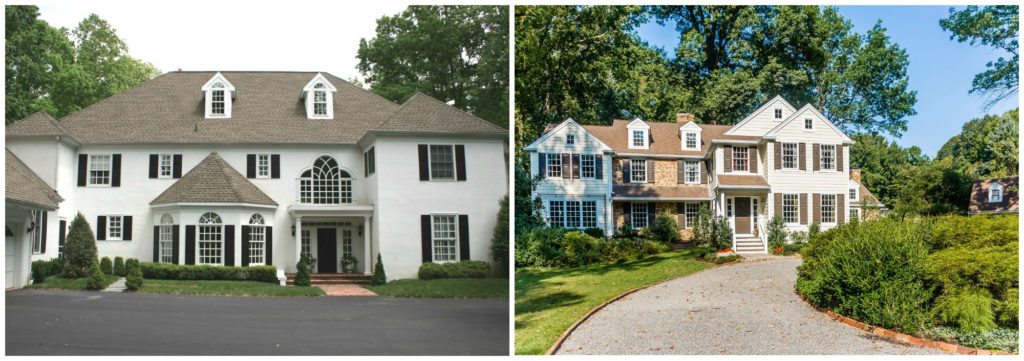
x: 761, y: 233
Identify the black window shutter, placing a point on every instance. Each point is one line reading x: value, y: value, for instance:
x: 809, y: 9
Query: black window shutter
x: 425, y: 238
x: 115, y: 171
x: 542, y: 165
x: 42, y: 247
x: 424, y: 163
x: 460, y: 162
x: 626, y: 209
x: 626, y: 169
x: 566, y: 166
x: 101, y: 228
x: 250, y: 166
x: 190, y: 244
x: 269, y: 251
x: 229, y: 245
x: 245, y: 245
x: 62, y: 234
x: 366, y: 164
x: 275, y: 166
x: 176, y: 169
x: 126, y: 228
x: 154, y: 162
x: 174, y: 246
x: 156, y: 244
x: 463, y: 237
x: 83, y: 169
x: 650, y: 214
x: 598, y: 166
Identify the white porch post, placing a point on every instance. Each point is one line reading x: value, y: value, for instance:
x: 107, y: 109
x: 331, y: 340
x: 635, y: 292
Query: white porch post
x: 368, y: 261
x: 298, y: 242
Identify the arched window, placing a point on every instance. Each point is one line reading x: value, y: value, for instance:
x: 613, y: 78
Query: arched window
x: 325, y: 183
x: 217, y: 102
x: 211, y: 239
x: 319, y: 100
x: 995, y: 193
x: 166, y: 238
x: 257, y: 240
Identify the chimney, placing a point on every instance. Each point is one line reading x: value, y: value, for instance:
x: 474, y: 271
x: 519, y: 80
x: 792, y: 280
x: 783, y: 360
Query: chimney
x: 855, y: 174
x: 684, y: 117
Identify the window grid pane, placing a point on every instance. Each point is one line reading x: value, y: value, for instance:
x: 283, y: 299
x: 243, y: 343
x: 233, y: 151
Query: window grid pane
x: 691, y: 172
x: 326, y: 183
x: 37, y: 234
x: 165, y: 165
x: 167, y: 244
x: 589, y: 210
x: 554, y: 165
x: 828, y: 156
x: 346, y: 243
x: 790, y: 207
x: 638, y: 172
x: 210, y: 244
x: 828, y: 208
x: 691, y: 140
x: 114, y: 227
x: 572, y: 214
x: 638, y: 215
x: 739, y: 158
x: 638, y: 138
x: 257, y: 244
x: 99, y: 169
x: 263, y: 165
x: 691, y: 214
x: 320, y: 102
x: 444, y: 238
x: 217, y: 103
x: 587, y: 167
x: 789, y: 155
x: 305, y: 244
x: 556, y: 214
x: 442, y: 162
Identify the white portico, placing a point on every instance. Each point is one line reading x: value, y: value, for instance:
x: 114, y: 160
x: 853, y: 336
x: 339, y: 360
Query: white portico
x: 328, y: 233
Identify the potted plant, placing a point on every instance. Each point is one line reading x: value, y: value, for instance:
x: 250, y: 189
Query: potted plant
x: 348, y: 264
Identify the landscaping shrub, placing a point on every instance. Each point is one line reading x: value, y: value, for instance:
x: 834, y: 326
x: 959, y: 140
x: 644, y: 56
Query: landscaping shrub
x: 42, y: 269
x: 702, y: 251
x: 776, y: 233
x: 594, y: 232
x: 970, y: 310
x: 164, y: 271
x: 431, y: 271
x: 554, y: 247
x: 461, y: 269
x: 986, y: 277
x: 702, y: 230
x: 975, y: 231
x: 627, y: 231
x: 665, y: 229
x: 96, y: 280
x: 728, y: 259
x: 793, y: 248
x: 799, y: 237
x: 539, y: 247
x: 134, y: 280
x: 1007, y: 310
x: 129, y: 265
x: 119, y: 266
x: 79, y: 249
x: 499, y: 239
x: 722, y: 233
x: 379, y: 277
x: 302, y: 273
x: 812, y: 231
x: 580, y: 249
x: 106, y: 266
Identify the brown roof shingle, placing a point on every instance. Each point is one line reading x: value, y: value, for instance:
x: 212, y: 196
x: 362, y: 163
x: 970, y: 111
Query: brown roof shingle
x: 742, y: 181
x: 24, y: 185
x: 424, y: 113
x: 39, y: 123
x: 667, y: 192
x: 979, y: 196
x: 213, y: 181
x: 664, y: 137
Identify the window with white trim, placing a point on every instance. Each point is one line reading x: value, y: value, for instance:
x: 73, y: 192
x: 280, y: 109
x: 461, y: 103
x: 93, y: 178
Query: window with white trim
x: 589, y: 214
x: 319, y: 100
x: 554, y: 165
x: 210, y: 239
x: 570, y: 139
x: 828, y: 156
x: 995, y: 193
x: 263, y: 166
x: 346, y: 243
x: 790, y: 208
x: 99, y: 169
x: 217, y: 100
x: 789, y: 155
x: 166, y: 166
x: 691, y: 172
x: 691, y: 141
x: 306, y: 247
x: 778, y: 113
x: 740, y: 159
x: 325, y: 183
x: 556, y: 214
x: 572, y: 214
x: 445, y: 238
x: 166, y: 238
x: 808, y: 123
x: 854, y: 214
x: 37, y: 231
x: 442, y: 162
x: 257, y: 240
x: 638, y: 171
x: 588, y: 168
x: 828, y: 208
x: 638, y: 214
x: 754, y: 208
x: 728, y: 207
x: 690, y: 210
x: 114, y: 227
x: 853, y: 194
x: 638, y: 139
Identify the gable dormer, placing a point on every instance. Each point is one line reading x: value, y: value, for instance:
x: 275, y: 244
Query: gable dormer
x: 218, y: 95
x: 319, y: 98
x: 638, y: 134
x: 689, y: 136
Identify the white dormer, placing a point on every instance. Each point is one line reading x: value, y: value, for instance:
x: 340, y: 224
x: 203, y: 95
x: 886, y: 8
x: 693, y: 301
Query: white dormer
x: 639, y: 134
x: 219, y: 94
x: 319, y: 97
x: 995, y: 193
x: 689, y: 136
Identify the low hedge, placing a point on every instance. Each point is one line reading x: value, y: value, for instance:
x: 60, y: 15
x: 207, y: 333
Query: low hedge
x: 43, y: 269
x: 461, y: 269
x: 164, y: 271
x: 556, y: 247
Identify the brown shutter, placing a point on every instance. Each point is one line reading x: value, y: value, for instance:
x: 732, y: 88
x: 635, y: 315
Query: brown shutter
x: 778, y: 154
x: 817, y: 156
x: 681, y: 215
x: 703, y: 173
x: 680, y: 171
x: 650, y: 171
x: 803, y: 156
x: 816, y: 206
x: 542, y: 165
x: 625, y: 170
x: 727, y: 150
x: 752, y: 155
x: 566, y: 166
x: 839, y: 157
x: 575, y: 166
x: 778, y: 205
x: 803, y: 208
x: 841, y: 208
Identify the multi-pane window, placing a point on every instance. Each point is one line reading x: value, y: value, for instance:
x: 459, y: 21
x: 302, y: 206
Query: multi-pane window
x: 442, y: 162
x: 754, y: 208
x: 728, y: 207
x: 588, y: 169
x: 319, y: 100
x: 854, y: 214
x: 166, y: 165
x: 263, y: 165
x: 828, y: 156
x: 691, y: 172
x: 638, y: 214
x: 828, y: 208
x: 346, y: 243
x: 995, y: 193
x: 638, y: 139
x: 808, y: 123
x: 853, y: 194
x: 556, y: 213
x: 554, y: 165
x: 572, y: 214
x: 99, y: 169
x: 778, y: 113
x: 257, y: 240
x: 790, y: 207
x: 211, y: 239
x: 638, y: 171
x: 570, y: 139
x: 589, y: 210
x: 789, y: 155
x: 114, y: 227
x: 166, y: 239
x: 217, y: 102
x: 37, y: 231
x: 691, y: 140
x: 304, y: 238
x: 325, y: 183
x: 691, y: 210
x: 740, y: 160
x: 445, y: 238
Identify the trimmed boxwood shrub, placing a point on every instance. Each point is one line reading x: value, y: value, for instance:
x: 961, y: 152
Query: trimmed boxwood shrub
x: 555, y: 247
x: 302, y: 272
x: 42, y: 269
x: 134, y: 281
x: 665, y: 228
x: 379, y: 277
x: 119, y: 266
x: 164, y: 271
x: 431, y: 271
x: 106, y: 266
x: 96, y: 280
x: 129, y: 265
x: 461, y: 269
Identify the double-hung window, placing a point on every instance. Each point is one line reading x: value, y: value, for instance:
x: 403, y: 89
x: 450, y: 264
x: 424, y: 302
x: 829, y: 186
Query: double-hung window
x: 828, y: 156
x: 114, y: 227
x: 638, y: 139
x: 790, y: 207
x: 778, y: 113
x: 263, y: 166
x: 691, y: 214
x: 638, y: 170
x: 589, y: 210
x: 306, y: 251
x: 754, y: 208
x: 740, y: 160
x: 445, y: 240
x: 995, y: 193
x: 319, y: 100
x: 853, y: 195
x: 556, y: 213
x: 442, y: 162
x: 588, y: 169
x: 691, y: 141
x: 166, y: 239
x: 570, y: 139
x: 166, y: 165
x: 638, y: 214
x: 257, y: 240
x: 217, y: 102
x: 808, y: 123
x: 828, y: 208
x: 346, y: 243
x: 99, y: 169
x: 789, y: 155
x: 210, y: 239
x: 554, y: 165
x: 572, y: 214
x: 691, y: 172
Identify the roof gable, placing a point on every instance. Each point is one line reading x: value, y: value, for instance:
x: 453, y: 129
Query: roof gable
x: 218, y: 78
x: 567, y: 123
x: 38, y: 123
x: 423, y: 113
x: 807, y: 108
x: 319, y: 78
x: 213, y: 180
x: 24, y: 185
x: 777, y: 100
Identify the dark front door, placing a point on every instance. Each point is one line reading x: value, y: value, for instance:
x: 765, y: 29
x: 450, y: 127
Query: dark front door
x: 742, y: 215
x: 326, y: 250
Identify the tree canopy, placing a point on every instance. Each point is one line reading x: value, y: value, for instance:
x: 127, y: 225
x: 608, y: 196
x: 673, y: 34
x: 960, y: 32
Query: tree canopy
x: 995, y: 26
x: 454, y: 53
x: 987, y: 147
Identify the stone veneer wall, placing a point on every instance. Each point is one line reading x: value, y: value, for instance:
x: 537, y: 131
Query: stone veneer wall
x: 665, y: 173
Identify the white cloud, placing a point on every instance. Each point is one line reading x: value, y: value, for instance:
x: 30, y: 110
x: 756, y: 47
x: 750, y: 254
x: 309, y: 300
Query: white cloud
x: 235, y: 35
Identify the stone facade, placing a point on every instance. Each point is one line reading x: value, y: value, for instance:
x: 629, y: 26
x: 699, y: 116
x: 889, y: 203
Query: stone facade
x: 665, y: 173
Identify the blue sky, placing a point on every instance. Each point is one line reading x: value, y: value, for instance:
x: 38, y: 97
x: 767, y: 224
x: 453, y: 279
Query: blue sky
x: 941, y: 70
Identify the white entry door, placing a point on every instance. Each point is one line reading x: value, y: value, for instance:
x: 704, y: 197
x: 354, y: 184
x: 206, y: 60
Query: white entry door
x: 9, y: 261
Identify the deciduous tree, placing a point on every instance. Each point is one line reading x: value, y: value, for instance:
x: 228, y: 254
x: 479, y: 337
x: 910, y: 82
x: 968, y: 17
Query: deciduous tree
x: 995, y: 26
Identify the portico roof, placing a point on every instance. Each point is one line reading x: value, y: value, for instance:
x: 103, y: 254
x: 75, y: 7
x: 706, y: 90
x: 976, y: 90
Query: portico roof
x: 213, y: 181
x: 332, y: 210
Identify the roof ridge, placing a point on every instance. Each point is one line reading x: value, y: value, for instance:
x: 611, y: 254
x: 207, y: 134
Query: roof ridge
x: 454, y: 107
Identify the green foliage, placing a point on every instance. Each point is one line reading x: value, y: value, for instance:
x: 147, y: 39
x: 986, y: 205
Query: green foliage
x: 499, y: 239
x: 1008, y: 309
x: 528, y: 206
x: 452, y: 53
x: 594, y: 232
x: 302, y: 272
x: 995, y: 26
x: 776, y: 232
x: 119, y: 266
x: 96, y: 280
x: 627, y: 231
x: 79, y: 249
x: 722, y: 233
x: 970, y: 310
x: 1004, y: 339
x: 42, y: 269
x: 702, y: 251
x: 879, y: 160
x: 129, y: 265
x: 665, y: 228
x: 165, y: 271
x: 379, y: 277
x: 931, y: 189
x: 430, y: 271
x: 812, y: 232
x: 799, y: 236
x: 986, y: 147
x: 978, y: 286
x: 106, y: 266
x: 134, y: 280
x: 702, y: 230
x: 974, y: 231
x: 461, y: 269
x: 553, y: 247
x: 728, y: 259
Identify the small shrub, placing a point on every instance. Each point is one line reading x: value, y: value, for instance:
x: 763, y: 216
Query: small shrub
x: 379, y: 277
x: 580, y: 249
x: 971, y: 311
x: 798, y: 237
x: 431, y: 271
x: 106, y: 266
x: 119, y: 266
x: 627, y: 231
x: 702, y: 251
x: 42, y: 269
x: 302, y: 272
x: 594, y: 232
x: 461, y: 269
x: 79, y: 249
x: 793, y: 248
x: 134, y: 281
x: 165, y: 271
x: 130, y: 264
x: 723, y: 233
x: 665, y: 229
x: 776, y: 232
x: 499, y: 239
x: 96, y: 280
x: 702, y: 229
x: 813, y: 230
x: 540, y: 247
x: 728, y: 259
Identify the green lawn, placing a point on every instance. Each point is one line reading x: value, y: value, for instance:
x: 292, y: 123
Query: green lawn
x: 226, y: 288
x: 548, y: 301
x: 446, y: 288
x: 71, y: 284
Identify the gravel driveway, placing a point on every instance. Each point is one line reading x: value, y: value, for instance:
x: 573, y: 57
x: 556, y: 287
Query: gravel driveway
x: 747, y: 308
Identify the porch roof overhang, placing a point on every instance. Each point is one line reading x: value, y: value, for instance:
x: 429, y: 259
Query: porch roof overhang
x: 333, y: 210
x: 728, y: 187
x: 661, y: 199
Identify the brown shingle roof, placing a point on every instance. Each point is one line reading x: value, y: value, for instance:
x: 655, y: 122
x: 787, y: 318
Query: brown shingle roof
x: 664, y: 137
x: 25, y: 186
x: 213, y: 181
x: 668, y: 192
x: 424, y: 113
x: 742, y: 181
x: 39, y: 123
x: 979, y: 196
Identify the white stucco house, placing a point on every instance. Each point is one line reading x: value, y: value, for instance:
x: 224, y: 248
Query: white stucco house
x: 778, y: 161
x: 254, y: 168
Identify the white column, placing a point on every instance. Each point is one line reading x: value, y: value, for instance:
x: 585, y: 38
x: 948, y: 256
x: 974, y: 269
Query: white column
x: 298, y: 241
x: 367, y: 243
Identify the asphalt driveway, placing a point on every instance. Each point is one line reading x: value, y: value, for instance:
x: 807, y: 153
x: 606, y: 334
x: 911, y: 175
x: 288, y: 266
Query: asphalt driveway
x: 92, y: 323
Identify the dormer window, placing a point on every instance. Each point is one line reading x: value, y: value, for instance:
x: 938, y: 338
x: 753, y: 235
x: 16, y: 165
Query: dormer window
x: 319, y: 97
x: 690, y: 136
x: 217, y: 102
x: 639, y: 136
x: 319, y: 101
x: 638, y: 139
x: 995, y: 193
x: 219, y: 93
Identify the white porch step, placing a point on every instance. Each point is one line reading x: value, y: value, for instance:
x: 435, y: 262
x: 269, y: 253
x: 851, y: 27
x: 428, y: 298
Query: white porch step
x: 749, y: 246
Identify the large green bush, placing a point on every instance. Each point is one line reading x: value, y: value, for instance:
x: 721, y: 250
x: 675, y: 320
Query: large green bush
x: 499, y: 239
x: 665, y: 228
x: 776, y: 233
x: 970, y: 310
x: 130, y: 264
x: 552, y: 247
x: 42, y: 269
x: 164, y: 271
x: 974, y: 231
x: 461, y: 269
x: 79, y: 249
x: 119, y: 266
x: 986, y: 276
x: 431, y: 271
x: 539, y: 247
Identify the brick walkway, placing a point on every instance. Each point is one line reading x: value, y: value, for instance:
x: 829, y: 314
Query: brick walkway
x: 346, y: 290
